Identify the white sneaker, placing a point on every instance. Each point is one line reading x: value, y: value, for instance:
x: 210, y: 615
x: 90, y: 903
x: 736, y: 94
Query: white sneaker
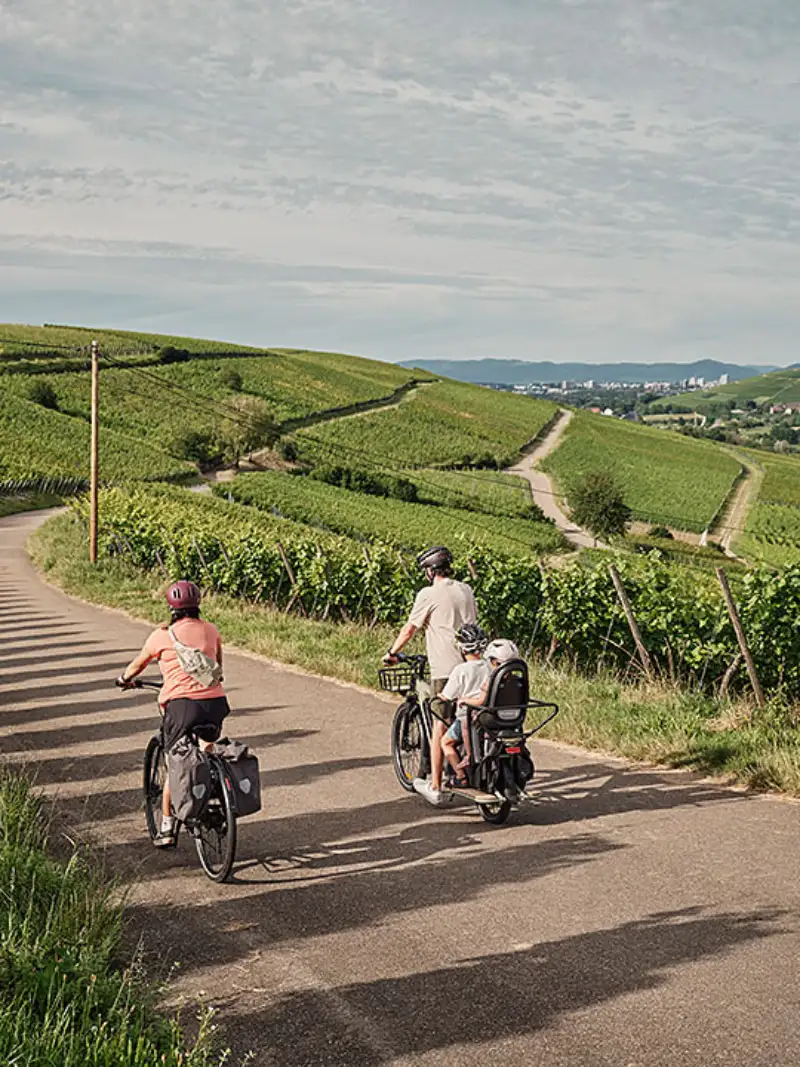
x: 426, y: 790
x: 166, y: 837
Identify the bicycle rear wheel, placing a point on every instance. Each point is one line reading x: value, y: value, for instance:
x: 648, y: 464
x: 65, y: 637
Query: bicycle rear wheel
x: 153, y: 781
x: 408, y: 741
x: 215, y: 831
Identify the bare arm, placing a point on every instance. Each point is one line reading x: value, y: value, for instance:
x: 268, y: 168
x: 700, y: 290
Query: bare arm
x: 402, y: 639
x: 136, y: 665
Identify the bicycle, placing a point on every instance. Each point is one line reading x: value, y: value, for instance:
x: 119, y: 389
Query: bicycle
x: 214, y: 831
x: 500, y: 765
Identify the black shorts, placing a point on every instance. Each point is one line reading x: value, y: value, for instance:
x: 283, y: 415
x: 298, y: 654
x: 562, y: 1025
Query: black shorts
x: 183, y: 716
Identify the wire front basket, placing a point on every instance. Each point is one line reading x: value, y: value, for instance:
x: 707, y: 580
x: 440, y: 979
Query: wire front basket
x: 400, y: 678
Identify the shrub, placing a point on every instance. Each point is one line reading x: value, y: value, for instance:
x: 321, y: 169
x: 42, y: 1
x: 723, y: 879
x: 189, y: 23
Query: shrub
x: 662, y: 532
x: 231, y: 379
x: 44, y: 394
x: 288, y: 450
x: 369, y: 482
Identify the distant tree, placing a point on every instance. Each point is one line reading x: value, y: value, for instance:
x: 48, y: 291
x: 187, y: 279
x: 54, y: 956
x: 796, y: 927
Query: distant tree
x: 597, y: 504
x: 199, y: 446
x: 44, y: 394
x: 248, y: 424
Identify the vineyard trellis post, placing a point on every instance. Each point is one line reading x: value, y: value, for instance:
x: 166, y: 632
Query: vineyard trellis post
x: 295, y: 590
x: 93, y: 457
x: 644, y: 655
x: 741, y: 637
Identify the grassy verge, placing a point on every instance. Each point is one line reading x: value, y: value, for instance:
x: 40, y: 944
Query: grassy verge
x: 63, y: 1000
x: 655, y: 722
x: 12, y: 505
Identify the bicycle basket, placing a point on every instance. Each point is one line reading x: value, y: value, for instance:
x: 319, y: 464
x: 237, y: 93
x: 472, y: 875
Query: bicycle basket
x: 398, y: 679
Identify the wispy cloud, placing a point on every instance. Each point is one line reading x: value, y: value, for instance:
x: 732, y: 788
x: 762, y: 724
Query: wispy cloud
x: 588, y: 177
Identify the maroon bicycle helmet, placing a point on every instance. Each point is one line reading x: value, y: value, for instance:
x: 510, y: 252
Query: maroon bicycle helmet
x: 183, y: 594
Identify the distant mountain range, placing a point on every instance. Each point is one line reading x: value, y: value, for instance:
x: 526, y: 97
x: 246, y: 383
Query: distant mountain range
x: 521, y: 372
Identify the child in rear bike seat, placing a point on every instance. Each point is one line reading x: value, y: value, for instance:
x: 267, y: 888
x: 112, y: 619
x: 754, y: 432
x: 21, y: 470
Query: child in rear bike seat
x: 466, y: 680
x: 189, y: 655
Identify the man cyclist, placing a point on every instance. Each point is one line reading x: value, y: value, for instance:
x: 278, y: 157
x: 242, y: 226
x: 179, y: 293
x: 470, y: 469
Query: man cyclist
x: 440, y: 609
x: 186, y: 702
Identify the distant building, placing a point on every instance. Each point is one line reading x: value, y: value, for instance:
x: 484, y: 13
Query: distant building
x: 723, y: 379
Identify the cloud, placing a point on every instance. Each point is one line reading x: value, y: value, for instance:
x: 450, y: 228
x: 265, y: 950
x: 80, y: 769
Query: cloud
x: 599, y: 176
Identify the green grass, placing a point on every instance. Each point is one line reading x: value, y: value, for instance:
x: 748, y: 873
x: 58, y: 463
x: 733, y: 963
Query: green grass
x: 444, y: 424
x: 13, y: 505
x: 666, y: 478
x: 412, y: 526
x: 64, y: 1000
x: 37, y: 441
x: 653, y: 722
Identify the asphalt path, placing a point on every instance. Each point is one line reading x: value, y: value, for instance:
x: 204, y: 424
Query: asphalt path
x: 627, y: 917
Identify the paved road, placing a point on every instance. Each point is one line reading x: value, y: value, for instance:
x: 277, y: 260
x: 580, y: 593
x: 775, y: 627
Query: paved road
x: 628, y: 918
x: 542, y: 486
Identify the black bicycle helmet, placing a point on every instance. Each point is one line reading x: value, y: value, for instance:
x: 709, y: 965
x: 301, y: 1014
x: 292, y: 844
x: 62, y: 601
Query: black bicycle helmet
x: 471, y: 638
x: 437, y: 558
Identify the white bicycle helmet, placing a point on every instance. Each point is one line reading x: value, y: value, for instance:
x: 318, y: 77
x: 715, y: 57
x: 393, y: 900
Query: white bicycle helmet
x: 501, y: 650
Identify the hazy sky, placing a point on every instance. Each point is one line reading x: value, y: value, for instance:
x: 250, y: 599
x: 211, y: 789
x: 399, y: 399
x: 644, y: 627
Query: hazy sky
x: 540, y: 179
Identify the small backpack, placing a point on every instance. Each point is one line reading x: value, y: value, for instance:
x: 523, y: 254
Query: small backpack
x: 242, y: 767
x: 190, y: 782
x: 196, y: 663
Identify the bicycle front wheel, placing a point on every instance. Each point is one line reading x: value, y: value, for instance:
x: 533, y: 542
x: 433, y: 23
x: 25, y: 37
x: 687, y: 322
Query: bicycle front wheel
x: 153, y: 782
x: 408, y: 742
x: 215, y: 832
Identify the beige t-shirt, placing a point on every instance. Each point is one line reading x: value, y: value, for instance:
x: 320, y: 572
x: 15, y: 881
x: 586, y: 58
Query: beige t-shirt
x: 441, y: 609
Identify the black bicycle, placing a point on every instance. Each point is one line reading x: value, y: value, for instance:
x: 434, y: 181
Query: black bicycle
x: 500, y: 766
x: 214, y: 831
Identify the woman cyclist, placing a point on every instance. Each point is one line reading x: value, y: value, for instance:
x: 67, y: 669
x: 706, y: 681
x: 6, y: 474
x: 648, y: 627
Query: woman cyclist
x: 186, y: 702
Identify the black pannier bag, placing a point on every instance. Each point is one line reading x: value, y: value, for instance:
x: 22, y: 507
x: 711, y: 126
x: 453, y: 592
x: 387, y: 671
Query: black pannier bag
x: 189, y: 776
x: 242, y: 767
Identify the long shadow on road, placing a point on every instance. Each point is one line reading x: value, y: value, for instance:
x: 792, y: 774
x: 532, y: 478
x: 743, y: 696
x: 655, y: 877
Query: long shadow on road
x: 511, y: 994
x: 358, y: 883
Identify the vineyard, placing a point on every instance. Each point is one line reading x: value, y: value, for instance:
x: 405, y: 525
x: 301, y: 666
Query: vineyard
x: 491, y: 492
x: 772, y: 530
x: 571, y: 611
x: 408, y: 525
x: 666, y: 478
x: 443, y: 424
x: 38, y: 444
x: 147, y: 402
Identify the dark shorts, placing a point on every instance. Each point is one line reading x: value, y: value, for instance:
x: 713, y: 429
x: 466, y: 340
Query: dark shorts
x: 183, y: 716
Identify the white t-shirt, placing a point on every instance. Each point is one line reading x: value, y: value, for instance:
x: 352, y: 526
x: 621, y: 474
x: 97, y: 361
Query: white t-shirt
x: 466, y: 680
x: 441, y: 609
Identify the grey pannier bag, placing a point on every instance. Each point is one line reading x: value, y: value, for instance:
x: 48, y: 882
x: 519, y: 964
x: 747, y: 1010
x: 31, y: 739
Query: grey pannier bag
x: 196, y: 663
x: 189, y: 776
x: 242, y: 767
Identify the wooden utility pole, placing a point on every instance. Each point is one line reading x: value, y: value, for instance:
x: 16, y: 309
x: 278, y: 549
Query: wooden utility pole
x: 644, y: 655
x: 93, y: 473
x: 722, y: 577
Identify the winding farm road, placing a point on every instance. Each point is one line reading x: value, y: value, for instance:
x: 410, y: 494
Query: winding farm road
x: 542, y: 487
x: 628, y: 918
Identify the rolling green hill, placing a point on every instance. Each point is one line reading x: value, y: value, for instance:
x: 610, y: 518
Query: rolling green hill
x: 777, y: 387
x: 667, y: 478
x: 444, y: 424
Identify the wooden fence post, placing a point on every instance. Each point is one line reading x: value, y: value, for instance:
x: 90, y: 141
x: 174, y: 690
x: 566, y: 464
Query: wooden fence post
x: 722, y: 577
x: 295, y: 593
x: 644, y: 655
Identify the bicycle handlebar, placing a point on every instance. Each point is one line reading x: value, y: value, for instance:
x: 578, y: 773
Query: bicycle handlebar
x: 139, y: 683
